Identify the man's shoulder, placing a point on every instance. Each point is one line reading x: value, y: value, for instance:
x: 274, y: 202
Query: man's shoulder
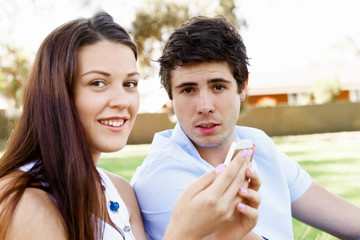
x: 166, y: 159
x: 167, y: 145
x: 163, y: 159
x: 244, y: 132
x: 166, y: 162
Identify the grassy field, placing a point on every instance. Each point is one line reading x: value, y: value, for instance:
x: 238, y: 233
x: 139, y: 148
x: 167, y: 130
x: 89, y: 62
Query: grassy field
x: 332, y: 159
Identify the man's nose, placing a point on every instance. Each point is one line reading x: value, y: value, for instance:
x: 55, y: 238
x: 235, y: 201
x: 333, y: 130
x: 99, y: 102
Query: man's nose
x: 205, y: 104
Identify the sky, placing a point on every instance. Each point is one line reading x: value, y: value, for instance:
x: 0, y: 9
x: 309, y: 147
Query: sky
x: 291, y: 34
x: 282, y: 35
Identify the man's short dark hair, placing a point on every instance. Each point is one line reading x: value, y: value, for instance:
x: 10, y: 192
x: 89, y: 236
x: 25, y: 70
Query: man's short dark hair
x: 204, y: 39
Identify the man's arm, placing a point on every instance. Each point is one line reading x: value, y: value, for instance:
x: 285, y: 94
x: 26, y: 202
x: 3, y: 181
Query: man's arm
x: 328, y: 212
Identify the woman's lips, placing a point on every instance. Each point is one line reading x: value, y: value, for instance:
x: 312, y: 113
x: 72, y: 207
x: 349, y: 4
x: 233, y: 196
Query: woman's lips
x: 114, y: 124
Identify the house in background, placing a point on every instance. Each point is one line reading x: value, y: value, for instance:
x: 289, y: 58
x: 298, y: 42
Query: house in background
x: 299, y: 87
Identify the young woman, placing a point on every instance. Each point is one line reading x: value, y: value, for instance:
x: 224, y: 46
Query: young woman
x: 80, y: 100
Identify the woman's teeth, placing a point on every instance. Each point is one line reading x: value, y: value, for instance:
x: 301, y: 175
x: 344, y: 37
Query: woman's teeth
x: 113, y: 123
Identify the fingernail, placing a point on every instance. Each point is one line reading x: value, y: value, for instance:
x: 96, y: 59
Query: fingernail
x: 221, y: 167
x: 249, y: 153
x: 251, y: 170
x: 244, y: 153
x: 243, y: 190
x: 241, y: 206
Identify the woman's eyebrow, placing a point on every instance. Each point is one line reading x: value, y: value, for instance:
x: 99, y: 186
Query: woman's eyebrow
x: 96, y: 71
x: 133, y: 74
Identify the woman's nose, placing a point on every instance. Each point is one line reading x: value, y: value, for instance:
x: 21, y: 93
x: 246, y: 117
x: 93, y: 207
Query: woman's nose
x: 118, y: 98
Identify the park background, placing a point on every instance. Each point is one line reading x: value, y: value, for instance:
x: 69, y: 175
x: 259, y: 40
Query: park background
x: 304, y: 85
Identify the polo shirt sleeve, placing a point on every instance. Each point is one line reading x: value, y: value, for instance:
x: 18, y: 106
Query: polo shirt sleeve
x: 157, y: 188
x: 297, y: 178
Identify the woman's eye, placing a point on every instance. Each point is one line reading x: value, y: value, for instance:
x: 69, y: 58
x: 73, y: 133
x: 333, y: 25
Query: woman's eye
x: 97, y: 83
x: 132, y: 84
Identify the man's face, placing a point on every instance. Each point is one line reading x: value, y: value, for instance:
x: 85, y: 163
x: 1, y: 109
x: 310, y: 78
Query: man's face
x: 206, y: 103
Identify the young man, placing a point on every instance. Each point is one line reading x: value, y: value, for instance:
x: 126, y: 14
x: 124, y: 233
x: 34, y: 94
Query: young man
x: 204, y: 70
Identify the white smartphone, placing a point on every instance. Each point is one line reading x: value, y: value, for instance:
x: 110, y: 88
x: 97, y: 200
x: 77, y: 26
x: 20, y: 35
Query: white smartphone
x: 237, y: 146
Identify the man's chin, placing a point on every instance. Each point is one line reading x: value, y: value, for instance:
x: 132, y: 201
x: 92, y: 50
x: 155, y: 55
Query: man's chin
x: 205, y: 144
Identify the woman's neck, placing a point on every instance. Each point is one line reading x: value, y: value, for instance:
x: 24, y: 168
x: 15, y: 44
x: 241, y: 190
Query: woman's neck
x: 95, y: 156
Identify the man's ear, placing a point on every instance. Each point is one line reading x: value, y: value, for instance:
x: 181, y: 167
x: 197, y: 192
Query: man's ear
x: 243, y: 90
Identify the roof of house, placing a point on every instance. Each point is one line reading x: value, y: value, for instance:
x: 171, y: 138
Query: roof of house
x: 262, y: 83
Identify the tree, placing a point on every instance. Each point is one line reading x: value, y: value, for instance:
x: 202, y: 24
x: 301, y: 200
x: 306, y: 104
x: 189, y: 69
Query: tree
x: 326, y: 90
x: 14, y: 63
x: 13, y: 69
x: 157, y: 18
x: 149, y: 28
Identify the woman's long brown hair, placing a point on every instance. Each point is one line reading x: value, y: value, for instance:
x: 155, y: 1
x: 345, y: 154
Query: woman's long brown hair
x: 49, y: 132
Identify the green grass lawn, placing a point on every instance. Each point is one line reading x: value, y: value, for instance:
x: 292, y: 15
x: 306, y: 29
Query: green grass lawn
x: 333, y: 160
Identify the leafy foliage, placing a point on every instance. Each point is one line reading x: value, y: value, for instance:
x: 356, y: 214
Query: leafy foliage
x: 156, y: 19
x: 13, y: 69
x: 326, y: 90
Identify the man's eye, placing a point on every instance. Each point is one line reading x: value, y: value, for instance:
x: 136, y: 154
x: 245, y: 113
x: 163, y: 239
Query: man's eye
x: 187, y: 90
x: 132, y: 84
x: 218, y: 87
x: 97, y: 83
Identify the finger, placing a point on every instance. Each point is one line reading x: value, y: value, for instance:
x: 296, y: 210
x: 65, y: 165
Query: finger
x: 255, y: 181
x: 202, y: 183
x: 252, y: 156
x: 228, y: 176
x: 248, y: 211
x: 250, y: 197
x: 239, y: 181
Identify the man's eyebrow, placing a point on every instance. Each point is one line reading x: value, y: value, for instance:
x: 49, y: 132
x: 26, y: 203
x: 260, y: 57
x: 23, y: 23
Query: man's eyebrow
x: 216, y: 80
x: 192, y: 84
x: 186, y: 84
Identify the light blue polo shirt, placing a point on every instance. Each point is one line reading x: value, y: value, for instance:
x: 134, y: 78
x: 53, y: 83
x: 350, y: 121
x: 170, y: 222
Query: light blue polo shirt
x: 173, y: 163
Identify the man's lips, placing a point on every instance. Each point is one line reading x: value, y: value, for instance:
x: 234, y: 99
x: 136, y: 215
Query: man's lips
x: 207, y: 128
x: 206, y: 125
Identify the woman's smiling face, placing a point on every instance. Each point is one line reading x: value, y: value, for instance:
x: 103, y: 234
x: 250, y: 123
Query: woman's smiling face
x: 106, y: 95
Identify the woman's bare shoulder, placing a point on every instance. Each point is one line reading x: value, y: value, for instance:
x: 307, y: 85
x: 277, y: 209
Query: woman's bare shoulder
x: 125, y: 190
x: 121, y: 184
x: 36, y: 215
x: 128, y: 195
